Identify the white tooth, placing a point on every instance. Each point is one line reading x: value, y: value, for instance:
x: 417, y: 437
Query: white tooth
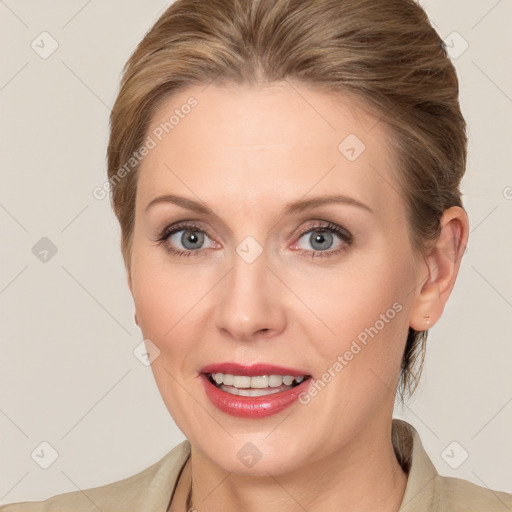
x: 218, y: 377
x: 228, y: 379
x: 259, y: 381
x: 241, y: 381
x: 230, y: 389
x: 298, y: 379
x: 257, y: 392
x: 275, y: 380
x: 287, y: 379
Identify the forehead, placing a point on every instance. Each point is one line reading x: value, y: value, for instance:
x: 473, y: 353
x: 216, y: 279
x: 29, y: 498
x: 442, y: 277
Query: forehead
x: 266, y: 145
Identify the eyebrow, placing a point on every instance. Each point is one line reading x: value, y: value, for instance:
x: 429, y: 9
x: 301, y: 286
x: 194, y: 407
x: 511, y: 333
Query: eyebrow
x: 293, y: 207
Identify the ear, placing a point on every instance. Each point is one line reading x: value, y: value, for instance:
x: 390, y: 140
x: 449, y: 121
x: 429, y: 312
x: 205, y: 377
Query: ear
x: 437, y: 274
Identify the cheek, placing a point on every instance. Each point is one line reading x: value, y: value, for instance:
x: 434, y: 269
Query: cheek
x: 349, y: 302
x: 358, y: 366
x: 365, y: 312
x: 165, y: 295
x: 170, y: 301
x: 167, y: 303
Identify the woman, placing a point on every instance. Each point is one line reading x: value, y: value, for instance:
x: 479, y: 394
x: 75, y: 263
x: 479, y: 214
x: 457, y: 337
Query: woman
x: 286, y: 177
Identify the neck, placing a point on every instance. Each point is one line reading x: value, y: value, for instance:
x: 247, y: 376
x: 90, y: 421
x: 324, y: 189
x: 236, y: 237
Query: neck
x: 364, y: 476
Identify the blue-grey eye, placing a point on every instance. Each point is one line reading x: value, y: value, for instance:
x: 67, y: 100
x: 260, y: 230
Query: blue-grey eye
x: 319, y: 240
x: 189, y: 239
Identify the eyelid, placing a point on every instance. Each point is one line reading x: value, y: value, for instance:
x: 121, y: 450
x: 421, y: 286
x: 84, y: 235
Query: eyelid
x: 327, y: 226
x: 180, y: 226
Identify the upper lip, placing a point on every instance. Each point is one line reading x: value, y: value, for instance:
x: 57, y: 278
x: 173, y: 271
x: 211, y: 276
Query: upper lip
x: 252, y: 370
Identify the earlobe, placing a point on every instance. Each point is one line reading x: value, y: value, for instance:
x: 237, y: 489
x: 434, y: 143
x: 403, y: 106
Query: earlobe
x: 438, y: 275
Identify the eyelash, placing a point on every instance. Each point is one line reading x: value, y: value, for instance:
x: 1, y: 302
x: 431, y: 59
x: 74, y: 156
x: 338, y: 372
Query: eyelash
x: 326, y: 227
x: 343, y: 234
x: 170, y: 230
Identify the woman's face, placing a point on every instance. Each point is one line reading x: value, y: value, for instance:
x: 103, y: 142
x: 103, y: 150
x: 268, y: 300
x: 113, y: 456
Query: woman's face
x: 323, y: 290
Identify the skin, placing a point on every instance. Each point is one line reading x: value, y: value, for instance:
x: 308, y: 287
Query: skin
x: 246, y: 153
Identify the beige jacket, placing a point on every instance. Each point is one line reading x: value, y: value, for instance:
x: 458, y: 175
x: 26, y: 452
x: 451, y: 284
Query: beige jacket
x: 151, y: 490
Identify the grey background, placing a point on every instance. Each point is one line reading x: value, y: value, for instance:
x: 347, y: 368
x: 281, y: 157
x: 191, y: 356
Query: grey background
x: 68, y: 375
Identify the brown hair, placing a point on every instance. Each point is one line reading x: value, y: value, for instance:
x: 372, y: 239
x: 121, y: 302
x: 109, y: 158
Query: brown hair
x: 385, y: 52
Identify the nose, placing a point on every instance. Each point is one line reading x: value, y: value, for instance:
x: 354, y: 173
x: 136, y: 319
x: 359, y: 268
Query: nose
x: 249, y: 303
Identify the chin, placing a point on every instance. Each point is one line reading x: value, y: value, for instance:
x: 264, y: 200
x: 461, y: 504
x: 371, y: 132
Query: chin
x: 254, y: 453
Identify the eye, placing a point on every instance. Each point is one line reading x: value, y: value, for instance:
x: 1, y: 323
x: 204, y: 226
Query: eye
x: 190, y: 239
x: 184, y: 240
x: 320, y: 239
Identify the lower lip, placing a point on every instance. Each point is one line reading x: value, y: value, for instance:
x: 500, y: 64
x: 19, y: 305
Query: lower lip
x: 252, y: 406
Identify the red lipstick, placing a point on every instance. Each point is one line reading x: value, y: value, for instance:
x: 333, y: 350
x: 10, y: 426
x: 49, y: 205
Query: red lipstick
x: 253, y: 407
x: 252, y: 369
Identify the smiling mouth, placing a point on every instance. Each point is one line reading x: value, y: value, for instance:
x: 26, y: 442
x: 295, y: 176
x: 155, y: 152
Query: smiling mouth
x: 256, y: 385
